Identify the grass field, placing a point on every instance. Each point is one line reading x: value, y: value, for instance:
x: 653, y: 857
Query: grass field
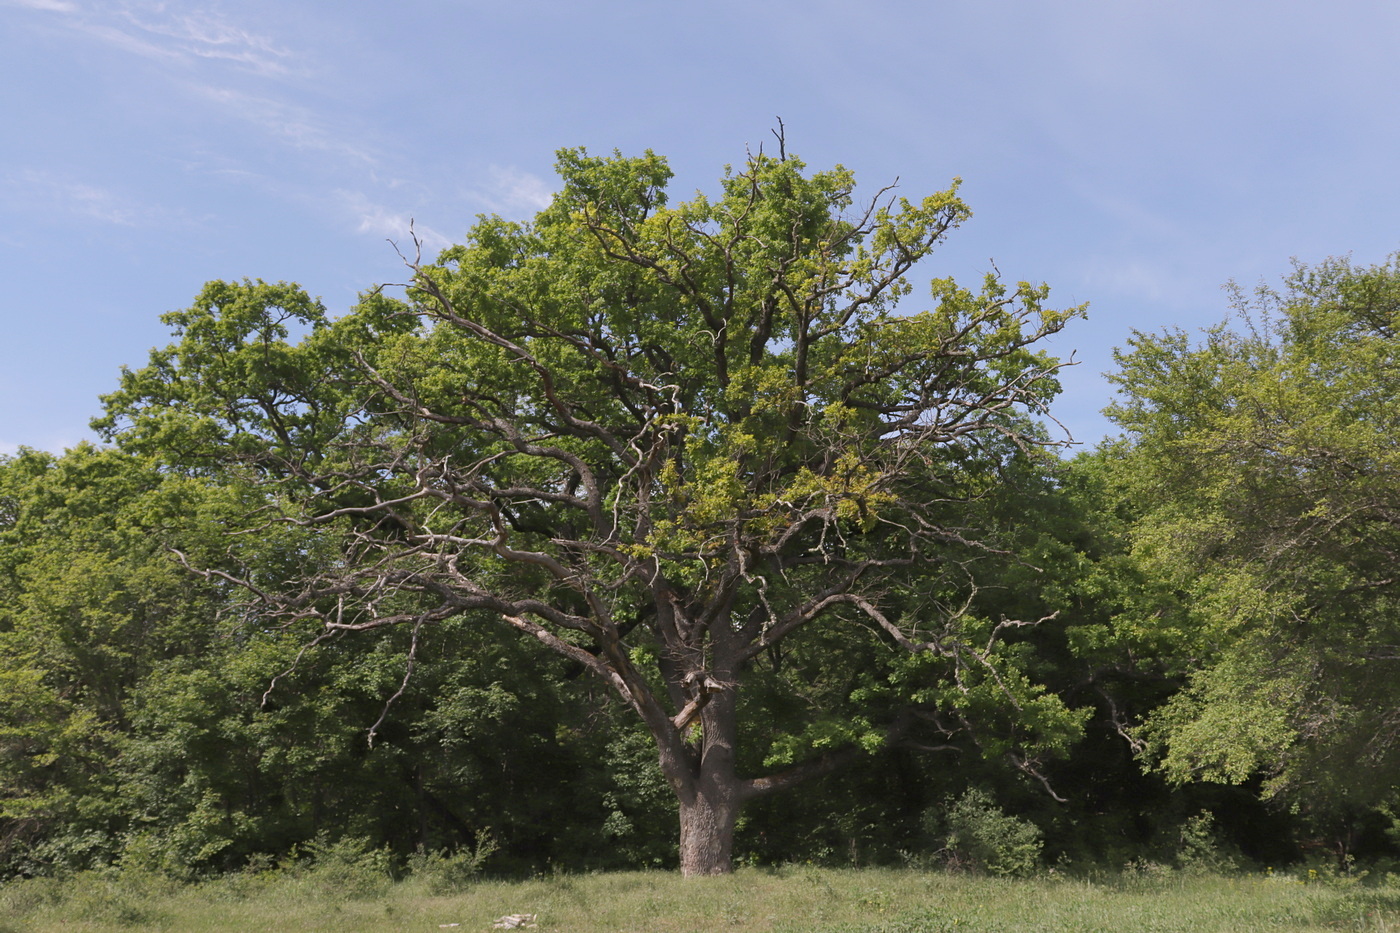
x: 791, y: 899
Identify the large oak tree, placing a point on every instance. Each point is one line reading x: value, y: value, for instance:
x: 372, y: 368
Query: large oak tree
x: 663, y: 441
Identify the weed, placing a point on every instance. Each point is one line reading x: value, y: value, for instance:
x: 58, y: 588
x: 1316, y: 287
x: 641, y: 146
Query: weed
x: 449, y: 872
x: 1199, y: 848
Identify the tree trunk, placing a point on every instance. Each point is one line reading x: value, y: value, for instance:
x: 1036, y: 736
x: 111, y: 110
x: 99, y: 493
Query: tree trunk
x: 708, y: 788
x: 707, y: 828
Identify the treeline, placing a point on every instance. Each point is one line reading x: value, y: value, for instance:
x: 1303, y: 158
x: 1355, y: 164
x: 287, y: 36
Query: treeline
x: 1181, y: 645
x: 147, y: 716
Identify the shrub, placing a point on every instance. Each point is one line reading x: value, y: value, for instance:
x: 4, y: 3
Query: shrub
x: 981, y: 837
x: 1199, y: 848
x: 347, y: 867
x: 448, y: 873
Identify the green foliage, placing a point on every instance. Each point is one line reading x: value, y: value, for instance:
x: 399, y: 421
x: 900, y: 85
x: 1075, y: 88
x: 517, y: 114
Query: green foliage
x: 1231, y: 722
x: 444, y: 872
x: 1264, y: 463
x: 346, y: 867
x: 236, y: 391
x: 980, y: 836
x: 133, y: 726
x: 661, y: 441
x: 96, y: 605
x: 705, y: 458
x: 1200, y: 849
x: 219, y: 779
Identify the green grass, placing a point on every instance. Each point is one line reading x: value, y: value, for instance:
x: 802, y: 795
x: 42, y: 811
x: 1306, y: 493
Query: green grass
x: 785, y: 900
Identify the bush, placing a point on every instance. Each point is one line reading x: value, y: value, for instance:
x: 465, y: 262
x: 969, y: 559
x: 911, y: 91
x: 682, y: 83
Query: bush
x: 1199, y: 848
x: 444, y: 873
x: 347, y: 867
x: 980, y: 837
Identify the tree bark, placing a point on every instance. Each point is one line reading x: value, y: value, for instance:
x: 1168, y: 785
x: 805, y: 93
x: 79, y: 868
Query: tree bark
x: 707, y: 828
x: 711, y: 792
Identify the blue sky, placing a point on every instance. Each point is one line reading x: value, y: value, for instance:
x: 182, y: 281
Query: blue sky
x: 1133, y: 155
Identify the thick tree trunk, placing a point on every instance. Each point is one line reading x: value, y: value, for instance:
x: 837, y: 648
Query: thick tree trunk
x: 708, y: 789
x: 707, y: 828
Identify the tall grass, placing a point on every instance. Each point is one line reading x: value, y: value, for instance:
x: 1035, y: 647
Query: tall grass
x: 356, y: 897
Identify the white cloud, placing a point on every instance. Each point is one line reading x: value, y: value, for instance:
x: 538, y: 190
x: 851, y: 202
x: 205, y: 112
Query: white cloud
x: 128, y: 42
x: 50, y: 194
x: 155, y: 30
x: 376, y: 219
x: 227, y: 69
x: 1130, y: 277
x: 206, y: 34
x: 52, y: 6
x: 293, y: 124
x: 512, y: 192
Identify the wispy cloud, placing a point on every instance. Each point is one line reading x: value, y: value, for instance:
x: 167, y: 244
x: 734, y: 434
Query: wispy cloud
x: 376, y: 219
x: 50, y: 194
x: 204, y: 33
x: 52, y: 6
x: 128, y: 41
x: 229, y: 70
x: 1129, y: 277
x: 154, y: 30
x: 512, y: 192
x: 291, y: 123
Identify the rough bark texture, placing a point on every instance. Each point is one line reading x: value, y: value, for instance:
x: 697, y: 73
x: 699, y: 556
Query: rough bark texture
x: 704, y: 776
x: 707, y: 828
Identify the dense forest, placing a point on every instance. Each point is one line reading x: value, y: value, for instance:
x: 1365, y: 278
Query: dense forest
x: 642, y: 535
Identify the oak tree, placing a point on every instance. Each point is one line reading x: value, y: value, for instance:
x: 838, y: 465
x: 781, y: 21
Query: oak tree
x: 665, y: 442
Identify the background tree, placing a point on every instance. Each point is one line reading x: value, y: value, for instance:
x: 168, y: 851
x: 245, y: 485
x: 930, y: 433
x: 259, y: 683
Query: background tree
x: 93, y: 605
x: 660, y: 441
x: 1129, y: 642
x: 136, y: 723
x: 1266, y: 461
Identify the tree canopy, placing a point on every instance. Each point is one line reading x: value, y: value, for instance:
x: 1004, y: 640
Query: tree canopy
x: 1265, y: 457
x: 660, y: 441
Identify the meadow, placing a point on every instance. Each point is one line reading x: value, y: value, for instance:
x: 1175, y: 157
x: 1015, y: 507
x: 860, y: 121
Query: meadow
x: 351, y: 899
